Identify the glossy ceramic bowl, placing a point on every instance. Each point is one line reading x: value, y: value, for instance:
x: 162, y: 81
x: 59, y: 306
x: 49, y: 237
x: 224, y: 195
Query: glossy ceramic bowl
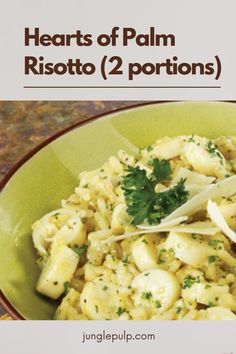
x: 49, y: 174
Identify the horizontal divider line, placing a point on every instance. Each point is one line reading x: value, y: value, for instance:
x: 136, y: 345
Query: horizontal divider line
x: 122, y: 87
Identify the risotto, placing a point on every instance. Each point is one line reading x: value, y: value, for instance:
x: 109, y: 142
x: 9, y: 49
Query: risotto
x: 145, y: 237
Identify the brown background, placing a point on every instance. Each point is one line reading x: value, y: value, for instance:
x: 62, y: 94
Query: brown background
x: 25, y: 124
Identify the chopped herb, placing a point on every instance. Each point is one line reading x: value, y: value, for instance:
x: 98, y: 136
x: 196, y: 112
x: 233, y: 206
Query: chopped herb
x: 214, y: 243
x: 110, y: 207
x: 189, y: 280
x: 212, y: 259
x: 229, y: 199
x: 125, y: 261
x: 120, y: 311
x: 85, y: 186
x: 96, y: 308
x: 146, y: 274
x: 142, y: 200
x: 171, y: 251
x: 80, y: 250
x: 160, y: 260
x: 211, y: 304
x: 146, y: 295
x: 191, y: 139
x: 157, y: 304
x: 67, y: 287
x: 212, y: 149
x: 149, y: 148
x: 178, y: 310
x: 105, y: 288
x: 207, y: 286
x: 145, y: 241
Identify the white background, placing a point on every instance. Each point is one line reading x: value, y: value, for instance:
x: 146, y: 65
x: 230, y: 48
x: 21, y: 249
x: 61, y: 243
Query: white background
x: 202, y: 28
x: 182, y: 337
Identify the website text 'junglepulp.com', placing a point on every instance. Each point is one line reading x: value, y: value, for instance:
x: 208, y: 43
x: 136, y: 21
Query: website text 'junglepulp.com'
x: 123, y: 336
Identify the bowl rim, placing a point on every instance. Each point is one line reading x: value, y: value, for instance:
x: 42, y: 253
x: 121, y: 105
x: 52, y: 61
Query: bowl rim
x: 3, y: 299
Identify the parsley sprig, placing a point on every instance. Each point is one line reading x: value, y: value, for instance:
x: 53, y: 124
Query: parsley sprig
x: 143, y: 203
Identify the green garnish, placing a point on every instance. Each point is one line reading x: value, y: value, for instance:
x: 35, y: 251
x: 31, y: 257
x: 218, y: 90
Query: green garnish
x: 105, y: 288
x: 149, y: 148
x: 125, y: 261
x: 146, y: 295
x: 157, y: 304
x: 178, y: 309
x: 120, y: 311
x: 213, y: 151
x: 214, y: 243
x: 80, y: 250
x: 191, y: 139
x: 67, y: 287
x: 212, y: 259
x: 160, y: 260
x: 96, y: 308
x: 189, y: 280
x: 161, y: 170
x: 142, y: 200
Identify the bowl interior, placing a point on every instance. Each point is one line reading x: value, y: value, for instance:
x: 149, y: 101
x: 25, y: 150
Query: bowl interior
x: 51, y: 175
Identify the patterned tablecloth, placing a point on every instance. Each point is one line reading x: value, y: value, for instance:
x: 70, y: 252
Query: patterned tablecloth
x: 25, y: 124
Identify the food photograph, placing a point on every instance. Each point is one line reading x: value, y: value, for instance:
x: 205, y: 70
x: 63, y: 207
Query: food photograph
x: 117, y: 210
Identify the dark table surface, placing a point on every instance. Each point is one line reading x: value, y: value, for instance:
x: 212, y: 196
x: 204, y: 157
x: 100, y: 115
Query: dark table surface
x: 25, y: 124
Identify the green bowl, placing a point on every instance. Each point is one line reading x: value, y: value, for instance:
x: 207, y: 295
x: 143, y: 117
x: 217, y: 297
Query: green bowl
x: 49, y: 174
